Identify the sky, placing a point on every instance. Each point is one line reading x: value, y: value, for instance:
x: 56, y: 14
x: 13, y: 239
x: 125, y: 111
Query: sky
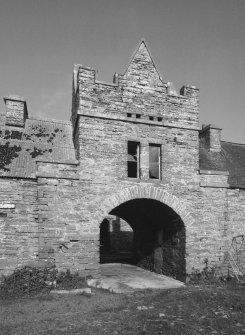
x: 195, y: 42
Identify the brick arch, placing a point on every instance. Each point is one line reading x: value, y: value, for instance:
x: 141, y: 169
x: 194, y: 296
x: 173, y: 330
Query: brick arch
x: 146, y: 192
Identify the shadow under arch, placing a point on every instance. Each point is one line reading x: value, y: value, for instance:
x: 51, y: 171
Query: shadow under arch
x: 147, y: 192
x: 159, y: 231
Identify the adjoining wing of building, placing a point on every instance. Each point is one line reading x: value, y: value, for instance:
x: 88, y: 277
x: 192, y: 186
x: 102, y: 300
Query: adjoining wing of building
x: 133, y: 177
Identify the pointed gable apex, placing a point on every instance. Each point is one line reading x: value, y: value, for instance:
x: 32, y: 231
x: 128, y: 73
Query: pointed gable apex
x: 142, y: 67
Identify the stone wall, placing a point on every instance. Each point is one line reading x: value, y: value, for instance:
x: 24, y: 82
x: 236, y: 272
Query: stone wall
x: 65, y: 235
x: 236, y: 224
x: 57, y: 216
x: 18, y: 223
x: 139, y: 107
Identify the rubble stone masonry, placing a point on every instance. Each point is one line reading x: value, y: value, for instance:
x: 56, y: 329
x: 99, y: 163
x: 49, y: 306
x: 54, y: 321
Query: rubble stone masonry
x: 57, y: 215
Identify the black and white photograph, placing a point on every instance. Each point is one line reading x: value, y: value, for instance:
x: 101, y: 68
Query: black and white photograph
x: 122, y: 167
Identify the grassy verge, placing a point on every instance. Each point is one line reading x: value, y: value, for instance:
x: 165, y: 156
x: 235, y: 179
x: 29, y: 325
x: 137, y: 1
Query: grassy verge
x: 205, y: 309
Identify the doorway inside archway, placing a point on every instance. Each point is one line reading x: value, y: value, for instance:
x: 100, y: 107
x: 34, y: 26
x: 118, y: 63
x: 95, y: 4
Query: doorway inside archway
x: 146, y: 233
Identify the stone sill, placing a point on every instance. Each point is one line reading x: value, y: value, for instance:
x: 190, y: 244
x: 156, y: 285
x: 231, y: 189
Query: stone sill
x: 141, y: 180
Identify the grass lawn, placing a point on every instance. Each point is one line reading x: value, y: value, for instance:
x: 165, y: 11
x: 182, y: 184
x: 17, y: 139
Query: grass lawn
x: 189, y: 310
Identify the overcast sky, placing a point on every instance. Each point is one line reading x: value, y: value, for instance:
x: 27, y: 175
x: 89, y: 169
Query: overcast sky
x: 196, y: 42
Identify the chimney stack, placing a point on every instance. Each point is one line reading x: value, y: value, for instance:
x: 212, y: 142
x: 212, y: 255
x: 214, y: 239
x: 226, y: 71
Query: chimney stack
x: 16, y: 111
x: 212, y: 135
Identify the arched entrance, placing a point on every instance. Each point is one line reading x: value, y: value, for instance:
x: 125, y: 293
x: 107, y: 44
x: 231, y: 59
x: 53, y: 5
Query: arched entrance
x: 158, y: 230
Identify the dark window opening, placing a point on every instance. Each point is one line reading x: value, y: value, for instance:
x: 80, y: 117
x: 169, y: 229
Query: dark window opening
x: 151, y: 118
x: 105, y: 236
x: 154, y: 161
x: 133, y: 160
x: 129, y: 114
x: 159, y: 119
x: 138, y: 116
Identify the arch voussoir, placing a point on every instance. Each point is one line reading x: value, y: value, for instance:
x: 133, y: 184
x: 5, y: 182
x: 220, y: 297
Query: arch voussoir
x: 174, y: 203
x: 158, y: 194
x: 164, y: 196
x: 126, y: 195
x: 148, y: 192
x: 114, y: 201
x: 134, y: 192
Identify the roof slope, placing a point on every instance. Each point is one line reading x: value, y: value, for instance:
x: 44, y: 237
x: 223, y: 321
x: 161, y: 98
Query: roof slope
x: 231, y: 158
x: 20, y: 148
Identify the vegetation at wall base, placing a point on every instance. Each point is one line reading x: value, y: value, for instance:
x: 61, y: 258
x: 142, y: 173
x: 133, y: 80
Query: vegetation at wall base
x: 29, y: 281
x: 211, y: 276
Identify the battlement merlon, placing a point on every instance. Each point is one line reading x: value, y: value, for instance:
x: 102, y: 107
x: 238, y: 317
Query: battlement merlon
x: 120, y: 99
x: 89, y: 75
x: 191, y: 92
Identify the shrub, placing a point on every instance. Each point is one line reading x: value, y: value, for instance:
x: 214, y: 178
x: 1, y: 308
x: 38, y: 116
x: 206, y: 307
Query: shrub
x: 34, y: 280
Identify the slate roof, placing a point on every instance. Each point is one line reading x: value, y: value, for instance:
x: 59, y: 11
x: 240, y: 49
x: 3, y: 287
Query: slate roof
x: 20, y: 148
x: 51, y: 140
x: 231, y: 158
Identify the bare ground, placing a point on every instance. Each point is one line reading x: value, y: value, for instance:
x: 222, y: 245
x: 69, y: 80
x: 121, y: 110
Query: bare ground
x: 189, y: 310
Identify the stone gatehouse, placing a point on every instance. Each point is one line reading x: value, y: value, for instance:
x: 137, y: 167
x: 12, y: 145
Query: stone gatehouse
x: 133, y: 155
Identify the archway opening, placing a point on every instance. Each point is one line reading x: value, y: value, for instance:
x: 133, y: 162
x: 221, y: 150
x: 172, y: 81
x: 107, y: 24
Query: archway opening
x: 146, y: 233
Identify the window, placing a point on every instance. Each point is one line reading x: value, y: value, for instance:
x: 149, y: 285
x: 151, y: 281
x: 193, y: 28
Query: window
x: 151, y: 118
x: 159, y: 119
x: 129, y: 114
x: 133, y: 160
x: 154, y: 161
x: 138, y: 116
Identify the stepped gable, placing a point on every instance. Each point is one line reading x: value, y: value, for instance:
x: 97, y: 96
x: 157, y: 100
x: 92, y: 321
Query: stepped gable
x: 40, y: 140
x: 231, y: 158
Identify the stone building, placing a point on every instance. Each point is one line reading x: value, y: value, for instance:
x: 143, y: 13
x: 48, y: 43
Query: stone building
x: 133, y: 150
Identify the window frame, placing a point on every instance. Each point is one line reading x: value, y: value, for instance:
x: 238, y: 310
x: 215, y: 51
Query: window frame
x: 159, y: 162
x: 137, y: 144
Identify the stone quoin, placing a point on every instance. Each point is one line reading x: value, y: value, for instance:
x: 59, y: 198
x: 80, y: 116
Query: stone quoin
x: 132, y: 178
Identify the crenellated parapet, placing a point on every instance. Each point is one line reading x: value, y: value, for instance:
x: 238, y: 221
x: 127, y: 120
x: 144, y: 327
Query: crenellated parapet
x: 139, y: 95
